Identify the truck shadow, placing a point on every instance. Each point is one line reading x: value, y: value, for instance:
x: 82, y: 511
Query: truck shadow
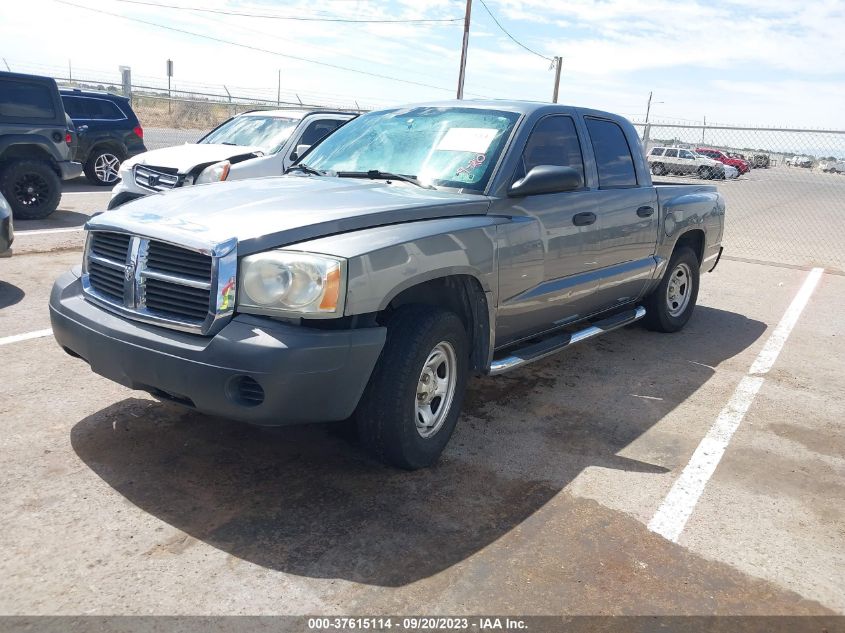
x: 306, y: 501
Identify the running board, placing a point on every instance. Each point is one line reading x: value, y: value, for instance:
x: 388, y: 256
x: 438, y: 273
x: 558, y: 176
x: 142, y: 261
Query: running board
x: 553, y: 344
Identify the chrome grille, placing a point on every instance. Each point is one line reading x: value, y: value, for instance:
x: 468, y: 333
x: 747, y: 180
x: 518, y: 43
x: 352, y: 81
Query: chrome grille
x: 156, y: 178
x: 158, y: 282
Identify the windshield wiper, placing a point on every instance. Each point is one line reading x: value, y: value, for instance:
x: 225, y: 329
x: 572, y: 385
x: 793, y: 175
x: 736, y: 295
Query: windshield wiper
x: 375, y: 174
x: 307, y: 170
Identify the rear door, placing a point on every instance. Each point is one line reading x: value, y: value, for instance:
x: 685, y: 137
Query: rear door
x: 687, y: 160
x: 671, y: 160
x: 623, y: 246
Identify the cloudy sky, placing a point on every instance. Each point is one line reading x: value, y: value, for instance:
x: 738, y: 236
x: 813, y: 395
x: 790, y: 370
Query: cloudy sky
x: 779, y: 62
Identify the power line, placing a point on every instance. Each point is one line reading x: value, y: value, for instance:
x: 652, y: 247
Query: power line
x: 505, y: 31
x: 255, y: 48
x: 296, y: 18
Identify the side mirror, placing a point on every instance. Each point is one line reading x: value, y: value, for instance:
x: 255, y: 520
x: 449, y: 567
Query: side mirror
x: 299, y: 151
x: 547, y: 179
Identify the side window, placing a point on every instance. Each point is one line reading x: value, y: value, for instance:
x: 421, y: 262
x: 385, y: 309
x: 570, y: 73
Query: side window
x: 26, y: 100
x: 613, y: 155
x: 657, y: 151
x: 103, y: 110
x: 318, y: 130
x: 553, y: 141
x: 672, y: 153
x: 75, y: 107
x: 686, y: 154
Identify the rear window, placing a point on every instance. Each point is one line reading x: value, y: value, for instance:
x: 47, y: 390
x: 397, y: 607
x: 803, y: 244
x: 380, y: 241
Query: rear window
x: 26, y: 100
x: 672, y: 153
x: 614, y: 160
x: 657, y: 151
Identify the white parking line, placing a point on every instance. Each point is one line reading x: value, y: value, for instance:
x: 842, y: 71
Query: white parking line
x: 25, y: 337
x: 85, y: 193
x: 48, y: 231
x: 672, y: 515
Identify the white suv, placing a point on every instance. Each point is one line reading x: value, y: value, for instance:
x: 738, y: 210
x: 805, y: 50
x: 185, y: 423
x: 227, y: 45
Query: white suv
x: 250, y: 145
x: 668, y: 160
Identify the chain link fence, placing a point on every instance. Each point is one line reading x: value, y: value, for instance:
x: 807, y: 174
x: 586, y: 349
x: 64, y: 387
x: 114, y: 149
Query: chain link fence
x: 788, y: 207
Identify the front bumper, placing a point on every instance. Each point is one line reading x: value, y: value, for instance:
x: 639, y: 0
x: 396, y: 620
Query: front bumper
x: 70, y: 170
x: 304, y: 374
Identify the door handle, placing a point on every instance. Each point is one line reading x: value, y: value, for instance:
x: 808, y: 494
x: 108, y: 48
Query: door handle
x: 645, y: 212
x: 82, y: 128
x: 583, y: 219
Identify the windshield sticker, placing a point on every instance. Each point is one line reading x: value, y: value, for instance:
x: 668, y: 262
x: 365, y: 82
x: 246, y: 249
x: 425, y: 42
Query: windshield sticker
x: 467, y: 139
x: 471, y: 165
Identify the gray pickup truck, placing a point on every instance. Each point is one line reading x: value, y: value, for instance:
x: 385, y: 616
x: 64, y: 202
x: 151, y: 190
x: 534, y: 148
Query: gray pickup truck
x: 412, y: 248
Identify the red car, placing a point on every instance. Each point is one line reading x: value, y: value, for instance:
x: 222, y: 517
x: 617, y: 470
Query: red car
x: 717, y: 154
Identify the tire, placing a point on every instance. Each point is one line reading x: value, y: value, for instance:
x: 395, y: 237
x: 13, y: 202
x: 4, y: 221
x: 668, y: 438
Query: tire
x: 32, y: 189
x: 102, y: 166
x: 660, y: 317
x: 705, y: 173
x: 390, y: 425
x: 658, y: 169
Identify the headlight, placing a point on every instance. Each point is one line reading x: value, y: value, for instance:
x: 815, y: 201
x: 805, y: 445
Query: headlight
x: 292, y: 284
x: 214, y: 173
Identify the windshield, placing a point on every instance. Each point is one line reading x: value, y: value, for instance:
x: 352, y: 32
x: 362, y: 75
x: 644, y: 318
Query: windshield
x: 267, y: 132
x: 451, y: 147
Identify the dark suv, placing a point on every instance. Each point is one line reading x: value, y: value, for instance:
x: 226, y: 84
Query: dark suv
x: 108, y: 129
x: 37, y: 141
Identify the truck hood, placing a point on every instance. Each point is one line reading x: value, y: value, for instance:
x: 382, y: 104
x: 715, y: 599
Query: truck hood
x: 266, y: 213
x: 185, y: 157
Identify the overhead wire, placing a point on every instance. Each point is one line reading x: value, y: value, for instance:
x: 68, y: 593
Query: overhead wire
x: 298, y: 18
x: 256, y: 48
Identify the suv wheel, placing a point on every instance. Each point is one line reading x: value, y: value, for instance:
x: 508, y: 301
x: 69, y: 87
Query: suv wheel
x: 705, y: 173
x: 658, y: 169
x: 670, y: 305
x: 32, y: 189
x: 102, y: 167
x: 411, y: 404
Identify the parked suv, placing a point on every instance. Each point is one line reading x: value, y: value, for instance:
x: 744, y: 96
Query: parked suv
x: 719, y: 155
x: 108, y: 130
x: 250, y: 145
x: 37, y: 141
x: 667, y: 160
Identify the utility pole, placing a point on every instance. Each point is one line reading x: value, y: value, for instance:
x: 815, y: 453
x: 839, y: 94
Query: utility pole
x: 279, y: 90
x: 647, y: 127
x: 463, y: 71
x: 69, y: 72
x: 648, y: 107
x: 702, y: 129
x: 557, y: 63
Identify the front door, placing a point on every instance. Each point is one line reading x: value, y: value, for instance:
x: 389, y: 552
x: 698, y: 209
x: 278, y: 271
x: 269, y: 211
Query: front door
x: 562, y: 277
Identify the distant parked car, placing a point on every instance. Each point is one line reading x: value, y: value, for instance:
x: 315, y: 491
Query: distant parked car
x: 250, y: 145
x: 37, y: 145
x: 760, y: 161
x: 108, y: 131
x: 7, y: 231
x: 731, y: 173
x: 667, y: 160
x: 833, y: 166
x: 799, y: 161
x: 722, y: 157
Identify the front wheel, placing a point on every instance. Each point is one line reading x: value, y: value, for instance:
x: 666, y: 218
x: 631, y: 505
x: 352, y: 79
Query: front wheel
x: 411, y: 404
x: 670, y: 305
x: 658, y: 169
x: 705, y: 173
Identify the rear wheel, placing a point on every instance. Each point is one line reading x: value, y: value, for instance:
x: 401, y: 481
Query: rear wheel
x: 705, y: 173
x: 658, y: 169
x: 411, y: 405
x: 32, y: 189
x: 102, y: 167
x: 670, y: 305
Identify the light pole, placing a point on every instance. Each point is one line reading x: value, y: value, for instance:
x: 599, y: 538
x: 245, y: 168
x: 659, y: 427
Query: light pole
x: 647, y: 127
x: 557, y: 63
